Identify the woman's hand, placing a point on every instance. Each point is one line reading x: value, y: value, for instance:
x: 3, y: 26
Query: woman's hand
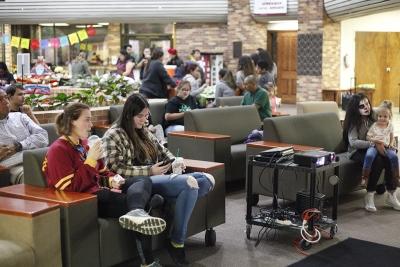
x: 96, y: 151
x: 381, y: 148
x: 157, y: 169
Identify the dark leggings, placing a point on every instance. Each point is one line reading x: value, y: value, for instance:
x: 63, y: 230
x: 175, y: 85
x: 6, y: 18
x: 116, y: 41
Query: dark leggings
x: 378, y: 165
x: 135, y: 194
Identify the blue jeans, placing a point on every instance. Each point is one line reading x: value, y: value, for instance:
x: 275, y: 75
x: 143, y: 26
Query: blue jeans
x: 371, y: 154
x: 184, y: 192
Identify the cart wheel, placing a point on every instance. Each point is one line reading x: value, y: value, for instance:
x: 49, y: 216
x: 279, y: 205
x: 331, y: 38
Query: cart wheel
x: 333, y: 231
x: 248, y: 230
x: 210, y: 237
x: 305, y: 245
x: 255, y: 199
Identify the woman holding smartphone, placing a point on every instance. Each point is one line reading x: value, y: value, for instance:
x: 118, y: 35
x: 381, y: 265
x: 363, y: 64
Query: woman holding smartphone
x: 133, y: 151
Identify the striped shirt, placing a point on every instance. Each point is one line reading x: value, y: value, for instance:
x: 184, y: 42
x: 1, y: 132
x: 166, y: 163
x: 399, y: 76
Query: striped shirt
x: 121, y: 153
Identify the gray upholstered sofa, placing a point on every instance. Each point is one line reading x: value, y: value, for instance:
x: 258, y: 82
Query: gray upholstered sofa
x: 217, y: 134
x: 322, y: 130
x: 91, y: 241
x: 228, y: 101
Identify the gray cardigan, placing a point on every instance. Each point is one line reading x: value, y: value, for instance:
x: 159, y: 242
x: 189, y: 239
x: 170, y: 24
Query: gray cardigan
x: 358, y: 139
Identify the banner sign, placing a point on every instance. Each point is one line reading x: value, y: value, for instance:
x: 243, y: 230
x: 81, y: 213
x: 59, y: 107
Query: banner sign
x: 270, y: 7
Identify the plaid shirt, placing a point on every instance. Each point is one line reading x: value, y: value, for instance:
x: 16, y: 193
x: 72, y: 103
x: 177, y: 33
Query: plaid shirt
x: 121, y: 153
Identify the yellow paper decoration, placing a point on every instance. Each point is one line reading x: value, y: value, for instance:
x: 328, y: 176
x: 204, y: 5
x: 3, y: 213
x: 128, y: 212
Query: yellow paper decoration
x: 82, y: 35
x: 73, y: 38
x: 82, y: 46
x: 89, y: 47
x: 15, y: 41
x: 25, y: 43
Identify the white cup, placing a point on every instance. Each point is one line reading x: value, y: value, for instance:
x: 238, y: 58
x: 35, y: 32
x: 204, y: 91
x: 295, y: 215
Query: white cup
x: 94, y: 139
x: 178, y: 165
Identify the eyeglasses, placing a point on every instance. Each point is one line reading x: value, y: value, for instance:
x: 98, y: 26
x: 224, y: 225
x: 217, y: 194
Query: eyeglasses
x: 140, y: 116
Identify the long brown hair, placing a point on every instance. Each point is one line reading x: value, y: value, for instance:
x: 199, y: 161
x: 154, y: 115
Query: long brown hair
x: 71, y: 113
x: 145, y: 149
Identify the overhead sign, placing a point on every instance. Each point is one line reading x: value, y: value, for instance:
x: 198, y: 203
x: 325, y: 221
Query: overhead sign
x: 268, y: 7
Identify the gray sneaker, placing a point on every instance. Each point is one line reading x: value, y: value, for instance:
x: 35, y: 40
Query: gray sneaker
x: 153, y: 264
x: 140, y: 221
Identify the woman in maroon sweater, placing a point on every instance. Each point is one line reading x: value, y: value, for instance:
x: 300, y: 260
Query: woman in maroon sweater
x: 71, y: 165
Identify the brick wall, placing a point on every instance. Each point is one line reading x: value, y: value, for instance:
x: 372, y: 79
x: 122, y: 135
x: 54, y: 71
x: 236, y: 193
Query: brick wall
x: 112, y: 40
x: 219, y: 37
x: 211, y: 37
x: 99, y: 115
x: 331, y: 55
x: 309, y: 80
x: 8, y: 59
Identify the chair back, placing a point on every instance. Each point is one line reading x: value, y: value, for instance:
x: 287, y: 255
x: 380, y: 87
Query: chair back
x: 32, y: 162
x: 317, y: 107
x: 51, y: 131
x: 228, y: 101
x: 237, y: 121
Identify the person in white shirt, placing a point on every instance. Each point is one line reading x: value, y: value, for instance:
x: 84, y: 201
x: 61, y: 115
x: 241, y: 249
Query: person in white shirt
x: 17, y: 133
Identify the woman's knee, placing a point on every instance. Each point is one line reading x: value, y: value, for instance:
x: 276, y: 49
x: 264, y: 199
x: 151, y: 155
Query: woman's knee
x: 192, y: 182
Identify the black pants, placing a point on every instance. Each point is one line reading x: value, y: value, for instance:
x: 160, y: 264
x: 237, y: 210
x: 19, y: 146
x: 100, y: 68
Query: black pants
x: 136, y: 193
x: 378, y: 165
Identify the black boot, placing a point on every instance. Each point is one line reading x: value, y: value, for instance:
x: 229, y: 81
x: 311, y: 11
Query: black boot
x: 177, y: 254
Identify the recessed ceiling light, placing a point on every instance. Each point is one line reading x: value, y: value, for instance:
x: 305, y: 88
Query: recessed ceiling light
x: 59, y: 24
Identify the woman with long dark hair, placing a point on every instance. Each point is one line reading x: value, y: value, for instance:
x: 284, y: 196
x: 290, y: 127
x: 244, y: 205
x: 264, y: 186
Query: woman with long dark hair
x: 70, y: 165
x: 132, y: 150
x: 359, y: 118
x: 156, y: 81
x: 125, y: 64
x: 245, y: 68
x: 5, y: 76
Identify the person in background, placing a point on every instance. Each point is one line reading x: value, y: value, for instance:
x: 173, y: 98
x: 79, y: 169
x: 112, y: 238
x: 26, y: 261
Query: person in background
x: 5, y: 76
x: 177, y: 106
x: 71, y: 165
x: 225, y: 86
x: 143, y: 61
x: 358, y: 120
x: 16, y: 96
x: 176, y: 61
x: 193, y: 76
x: 133, y: 151
x: 80, y: 67
x: 17, y: 133
x: 245, y: 68
x: 196, y: 57
x: 156, y: 81
x: 125, y: 64
x: 128, y: 48
x: 96, y: 60
x: 40, y: 68
x: 264, y: 55
x: 257, y: 96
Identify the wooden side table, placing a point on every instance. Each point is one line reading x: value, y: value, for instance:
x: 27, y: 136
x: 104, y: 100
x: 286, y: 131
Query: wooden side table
x: 34, y: 223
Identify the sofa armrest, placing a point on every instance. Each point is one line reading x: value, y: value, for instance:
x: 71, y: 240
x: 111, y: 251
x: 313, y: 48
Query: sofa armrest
x: 78, y: 215
x: 201, y: 146
x: 33, y: 226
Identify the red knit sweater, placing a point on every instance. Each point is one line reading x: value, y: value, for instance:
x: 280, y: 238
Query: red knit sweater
x: 67, y: 169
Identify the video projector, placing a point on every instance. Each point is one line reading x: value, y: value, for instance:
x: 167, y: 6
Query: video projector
x: 313, y: 158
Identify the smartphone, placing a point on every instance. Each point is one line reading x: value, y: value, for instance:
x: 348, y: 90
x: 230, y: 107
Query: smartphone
x: 167, y: 161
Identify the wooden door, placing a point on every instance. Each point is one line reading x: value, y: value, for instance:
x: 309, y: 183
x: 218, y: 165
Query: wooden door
x: 287, y: 66
x: 378, y: 62
x: 392, y: 87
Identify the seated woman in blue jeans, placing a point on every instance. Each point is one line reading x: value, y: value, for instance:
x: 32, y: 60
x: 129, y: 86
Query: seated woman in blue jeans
x: 133, y: 151
x: 359, y: 119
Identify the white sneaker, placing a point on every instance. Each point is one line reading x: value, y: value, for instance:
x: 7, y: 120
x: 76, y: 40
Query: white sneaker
x: 140, y: 221
x: 369, y: 202
x: 392, y: 201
